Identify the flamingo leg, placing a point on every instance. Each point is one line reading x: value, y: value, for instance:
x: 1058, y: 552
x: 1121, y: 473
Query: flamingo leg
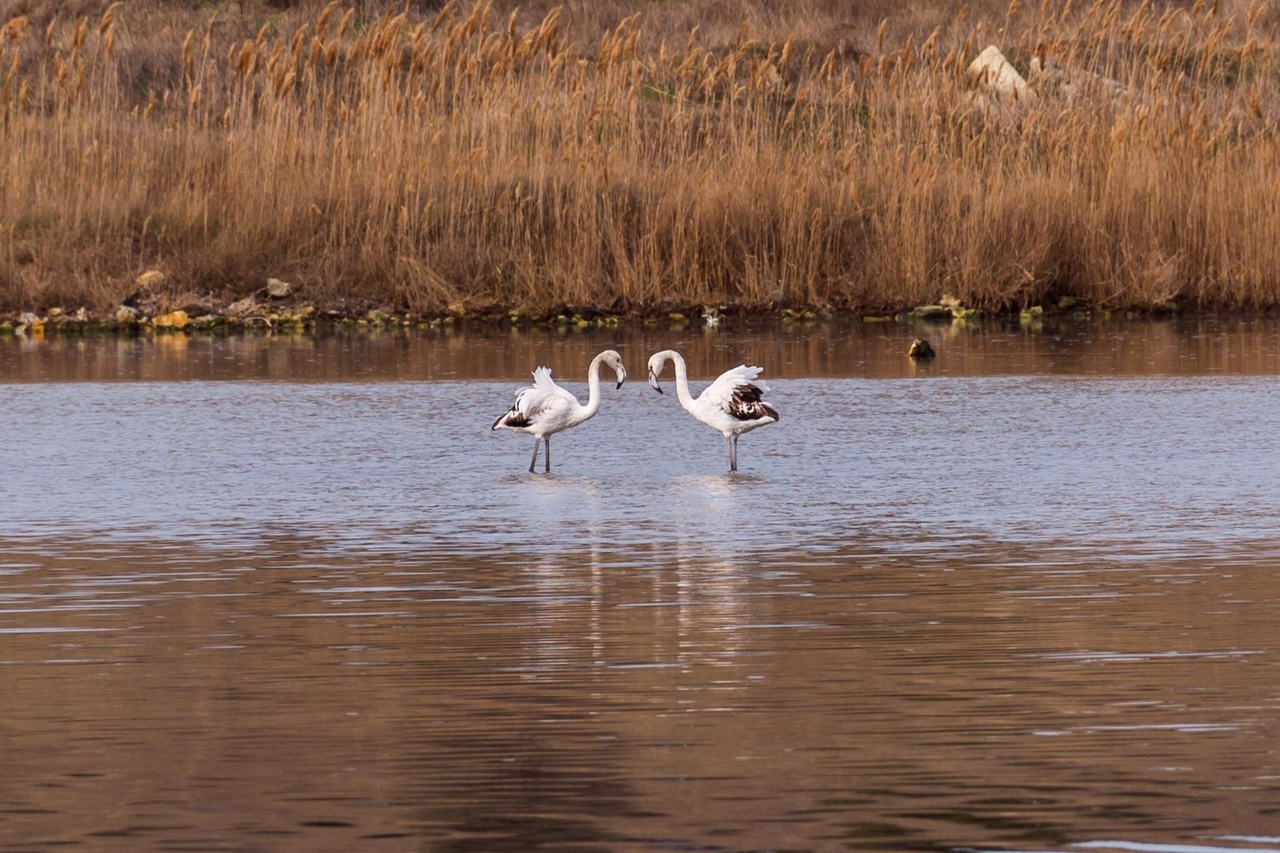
x: 547, y: 441
x: 534, y: 461
x: 733, y: 451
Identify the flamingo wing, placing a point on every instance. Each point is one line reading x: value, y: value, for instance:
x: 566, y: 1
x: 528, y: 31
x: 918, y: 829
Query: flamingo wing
x: 739, y: 394
x: 538, y: 400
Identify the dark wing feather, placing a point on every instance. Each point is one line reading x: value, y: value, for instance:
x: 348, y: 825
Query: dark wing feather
x: 530, y: 400
x: 747, y: 404
x: 513, y: 417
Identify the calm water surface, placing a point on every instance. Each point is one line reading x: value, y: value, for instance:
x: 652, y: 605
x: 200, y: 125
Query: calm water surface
x: 293, y: 594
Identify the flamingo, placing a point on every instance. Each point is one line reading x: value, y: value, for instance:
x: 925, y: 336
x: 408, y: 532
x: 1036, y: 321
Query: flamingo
x: 733, y: 404
x: 545, y: 408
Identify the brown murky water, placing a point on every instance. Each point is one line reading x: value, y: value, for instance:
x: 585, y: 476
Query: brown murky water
x: 1024, y: 597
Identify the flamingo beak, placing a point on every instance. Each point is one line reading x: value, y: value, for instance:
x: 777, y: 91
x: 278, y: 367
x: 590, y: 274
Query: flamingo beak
x: 653, y: 381
x: 622, y: 377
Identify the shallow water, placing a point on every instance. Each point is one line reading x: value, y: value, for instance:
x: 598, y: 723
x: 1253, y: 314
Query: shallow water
x: 1020, y: 598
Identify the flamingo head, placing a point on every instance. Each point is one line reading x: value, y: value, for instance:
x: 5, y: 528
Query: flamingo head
x: 614, y: 360
x: 656, y: 364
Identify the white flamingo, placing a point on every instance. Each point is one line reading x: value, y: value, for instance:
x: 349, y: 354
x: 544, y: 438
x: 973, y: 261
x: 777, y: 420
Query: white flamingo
x: 545, y: 408
x: 733, y: 404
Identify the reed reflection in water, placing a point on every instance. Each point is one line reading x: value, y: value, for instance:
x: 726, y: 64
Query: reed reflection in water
x: 1030, y: 612
x: 1178, y: 346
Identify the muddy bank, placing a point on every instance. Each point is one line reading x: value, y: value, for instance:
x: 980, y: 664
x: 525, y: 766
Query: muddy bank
x: 279, y: 306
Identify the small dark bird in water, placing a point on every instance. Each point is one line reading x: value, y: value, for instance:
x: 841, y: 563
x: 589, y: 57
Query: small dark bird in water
x: 920, y: 349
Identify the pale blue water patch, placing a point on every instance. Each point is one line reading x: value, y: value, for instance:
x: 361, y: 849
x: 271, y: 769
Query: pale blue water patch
x: 1071, y: 469
x: 934, y: 611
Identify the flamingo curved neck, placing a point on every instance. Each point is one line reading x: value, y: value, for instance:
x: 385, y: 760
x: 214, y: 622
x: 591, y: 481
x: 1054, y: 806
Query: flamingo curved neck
x: 593, y: 389
x: 682, y: 381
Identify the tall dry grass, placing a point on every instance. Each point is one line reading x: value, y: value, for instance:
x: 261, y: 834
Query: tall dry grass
x: 470, y: 154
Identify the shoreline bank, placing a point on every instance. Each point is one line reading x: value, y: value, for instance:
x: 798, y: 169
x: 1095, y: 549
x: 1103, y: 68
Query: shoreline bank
x: 302, y: 316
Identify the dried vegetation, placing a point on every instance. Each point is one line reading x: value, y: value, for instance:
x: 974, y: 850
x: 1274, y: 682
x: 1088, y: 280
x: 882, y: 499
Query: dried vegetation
x: 751, y: 155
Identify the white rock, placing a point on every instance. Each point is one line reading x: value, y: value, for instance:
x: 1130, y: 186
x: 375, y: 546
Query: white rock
x: 995, y: 72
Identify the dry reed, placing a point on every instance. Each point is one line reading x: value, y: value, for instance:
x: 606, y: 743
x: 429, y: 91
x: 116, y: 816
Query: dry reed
x: 474, y: 157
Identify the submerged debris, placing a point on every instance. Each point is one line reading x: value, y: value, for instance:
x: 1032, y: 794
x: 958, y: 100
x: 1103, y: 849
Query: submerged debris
x: 920, y: 349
